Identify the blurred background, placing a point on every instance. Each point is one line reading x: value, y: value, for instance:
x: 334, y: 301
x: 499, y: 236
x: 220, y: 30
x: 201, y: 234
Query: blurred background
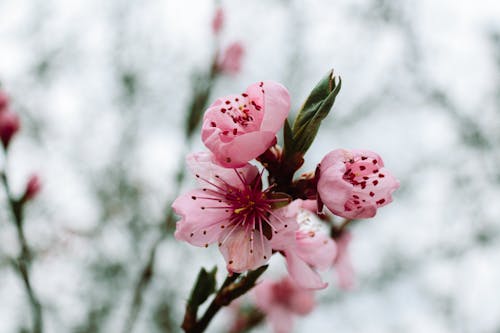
x: 103, y: 89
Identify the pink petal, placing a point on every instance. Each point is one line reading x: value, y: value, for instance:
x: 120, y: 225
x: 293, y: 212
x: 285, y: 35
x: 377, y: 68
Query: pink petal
x: 318, y: 251
x: 302, y: 274
x: 333, y: 190
x: 285, y: 237
x: 203, y: 164
x: 240, y: 253
x: 241, y: 149
x: 276, y: 101
x: 200, y: 224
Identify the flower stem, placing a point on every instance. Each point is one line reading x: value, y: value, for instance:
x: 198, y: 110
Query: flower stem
x: 22, y: 263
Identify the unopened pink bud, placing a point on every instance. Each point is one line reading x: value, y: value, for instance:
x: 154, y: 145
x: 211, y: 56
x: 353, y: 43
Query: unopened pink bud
x: 4, y: 101
x: 230, y: 62
x: 218, y: 21
x: 9, y: 125
x: 33, y: 187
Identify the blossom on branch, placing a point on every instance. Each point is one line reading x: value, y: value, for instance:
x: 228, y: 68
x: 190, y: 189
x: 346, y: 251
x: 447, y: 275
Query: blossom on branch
x: 232, y: 210
x: 354, y: 183
x: 238, y: 128
x: 312, y: 250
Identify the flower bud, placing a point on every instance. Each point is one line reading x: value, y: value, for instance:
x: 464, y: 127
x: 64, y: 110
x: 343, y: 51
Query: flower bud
x: 354, y: 183
x: 230, y: 63
x: 9, y: 125
x: 33, y: 187
x: 218, y: 21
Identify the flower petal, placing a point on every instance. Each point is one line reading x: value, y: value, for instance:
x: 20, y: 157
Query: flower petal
x: 241, y: 253
x: 204, y: 165
x: 303, y: 275
x: 201, y: 219
x: 318, y: 250
x: 243, y: 148
x: 276, y: 101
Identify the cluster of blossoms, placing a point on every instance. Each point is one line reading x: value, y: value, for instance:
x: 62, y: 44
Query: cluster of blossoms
x: 252, y: 218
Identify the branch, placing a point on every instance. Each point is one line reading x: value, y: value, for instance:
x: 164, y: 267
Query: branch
x: 22, y: 264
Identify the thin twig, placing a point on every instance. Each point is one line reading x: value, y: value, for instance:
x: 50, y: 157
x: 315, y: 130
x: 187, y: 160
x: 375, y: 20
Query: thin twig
x: 22, y: 264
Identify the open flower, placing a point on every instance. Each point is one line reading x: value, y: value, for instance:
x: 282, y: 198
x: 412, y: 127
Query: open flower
x: 230, y: 209
x: 238, y: 128
x: 312, y: 250
x: 281, y: 301
x: 354, y: 183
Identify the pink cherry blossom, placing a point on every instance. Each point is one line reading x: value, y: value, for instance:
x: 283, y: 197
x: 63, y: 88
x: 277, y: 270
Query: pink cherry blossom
x: 238, y: 128
x: 313, y: 248
x: 218, y: 20
x: 281, y: 301
x: 354, y: 184
x: 230, y: 209
x: 230, y: 62
x: 33, y: 186
x: 9, y: 126
x: 342, y: 263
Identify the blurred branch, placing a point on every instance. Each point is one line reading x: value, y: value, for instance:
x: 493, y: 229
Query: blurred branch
x: 201, y: 92
x: 22, y: 264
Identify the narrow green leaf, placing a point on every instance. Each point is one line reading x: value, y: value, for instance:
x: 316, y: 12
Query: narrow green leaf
x: 204, y: 287
x: 313, y: 111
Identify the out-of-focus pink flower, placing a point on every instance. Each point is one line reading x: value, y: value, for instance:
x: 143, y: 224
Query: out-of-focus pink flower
x: 9, y: 126
x: 238, y: 128
x: 313, y: 249
x: 230, y: 209
x: 354, y: 183
x: 230, y: 62
x: 33, y: 187
x: 343, y: 264
x: 4, y: 101
x: 218, y: 20
x: 281, y: 301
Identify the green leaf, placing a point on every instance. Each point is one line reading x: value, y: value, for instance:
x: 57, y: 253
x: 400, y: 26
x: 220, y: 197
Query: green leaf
x: 313, y: 111
x: 204, y: 287
x: 288, y: 136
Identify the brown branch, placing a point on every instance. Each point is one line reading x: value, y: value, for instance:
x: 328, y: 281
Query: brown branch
x: 22, y: 263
